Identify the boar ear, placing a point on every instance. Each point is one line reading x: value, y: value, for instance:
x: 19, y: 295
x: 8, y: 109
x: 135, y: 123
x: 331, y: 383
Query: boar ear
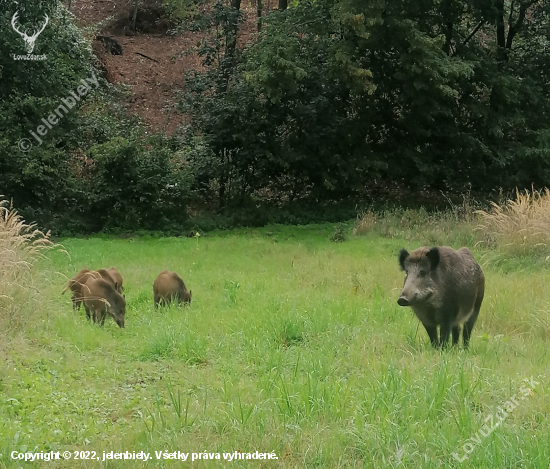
x: 403, y: 254
x: 433, y: 257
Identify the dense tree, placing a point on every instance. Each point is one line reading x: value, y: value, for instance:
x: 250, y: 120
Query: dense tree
x: 38, y: 178
x: 328, y: 96
x: 79, y: 173
x: 443, y: 93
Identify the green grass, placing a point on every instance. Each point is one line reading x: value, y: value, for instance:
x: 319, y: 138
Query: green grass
x: 292, y: 344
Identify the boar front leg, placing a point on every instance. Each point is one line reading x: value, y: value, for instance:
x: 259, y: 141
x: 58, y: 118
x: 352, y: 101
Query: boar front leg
x: 432, y: 333
x: 444, y: 334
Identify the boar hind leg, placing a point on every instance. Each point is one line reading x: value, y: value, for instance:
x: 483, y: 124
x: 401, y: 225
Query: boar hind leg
x: 432, y: 334
x: 456, y: 334
x: 468, y: 326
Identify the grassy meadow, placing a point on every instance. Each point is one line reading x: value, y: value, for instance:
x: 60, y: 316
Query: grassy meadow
x: 293, y: 344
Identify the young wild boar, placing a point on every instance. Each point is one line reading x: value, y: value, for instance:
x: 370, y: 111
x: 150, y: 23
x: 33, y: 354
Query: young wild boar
x: 78, y: 281
x: 444, y: 288
x: 169, y: 286
x: 117, y: 278
x: 101, y: 298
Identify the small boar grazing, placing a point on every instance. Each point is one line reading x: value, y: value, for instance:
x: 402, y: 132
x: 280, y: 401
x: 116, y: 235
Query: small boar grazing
x: 117, y: 278
x: 169, y: 286
x: 77, y: 282
x: 100, y: 298
x: 444, y: 288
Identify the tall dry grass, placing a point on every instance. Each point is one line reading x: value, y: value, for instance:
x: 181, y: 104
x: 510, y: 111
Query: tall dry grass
x: 453, y: 227
x: 21, y: 245
x: 520, y: 225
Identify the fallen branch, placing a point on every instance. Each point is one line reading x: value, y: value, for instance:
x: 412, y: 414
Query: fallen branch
x: 147, y: 57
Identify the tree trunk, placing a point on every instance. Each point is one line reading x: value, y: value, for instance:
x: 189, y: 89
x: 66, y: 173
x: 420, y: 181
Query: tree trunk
x: 259, y: 6
x: 447, y: 17
x: 233, y: 28
x: 501, y: 33
x: 514, y: 27
x: 283, y: 4
x: 135, y: 15
x: 505, y: 41
x: 223, y: 181
x: 231, y: 42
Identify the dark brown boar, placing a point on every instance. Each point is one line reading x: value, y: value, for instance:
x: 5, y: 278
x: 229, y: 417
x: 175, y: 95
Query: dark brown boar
x: 100, y: 298
x: 169, y: 287
x: 444, y: 288
x: 80, y: 279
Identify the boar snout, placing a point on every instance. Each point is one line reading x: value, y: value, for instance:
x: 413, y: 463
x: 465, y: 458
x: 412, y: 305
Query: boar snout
x: 402, y: 301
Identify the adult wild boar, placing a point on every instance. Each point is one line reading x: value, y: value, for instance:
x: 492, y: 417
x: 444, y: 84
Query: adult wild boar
x: 78, y: 281
x: 444, y: 288
x: 169, y: 286
x: 101, y: 298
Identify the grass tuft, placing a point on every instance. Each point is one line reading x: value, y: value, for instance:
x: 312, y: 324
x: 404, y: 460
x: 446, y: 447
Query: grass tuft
x: 452, y: 227
x: 174, y: 343
x: 21, y: 245
x: 365, y: 223
x: 289, y: 331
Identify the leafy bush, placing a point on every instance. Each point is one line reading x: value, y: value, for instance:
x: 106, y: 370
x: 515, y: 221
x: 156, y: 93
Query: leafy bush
x: 137, y: 182
x: 39, y: 180
x: 339, y: 235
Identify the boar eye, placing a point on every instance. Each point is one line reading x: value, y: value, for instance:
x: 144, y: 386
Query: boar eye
x: 423, y: 273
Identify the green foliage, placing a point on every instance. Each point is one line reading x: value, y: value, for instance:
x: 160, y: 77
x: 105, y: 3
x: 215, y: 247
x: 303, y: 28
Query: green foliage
x: 137, y: 182
x: 332, y: 102
x: 339, y: 235
x: 94, y: 170
x: 182, y: 10
x: 336, y: 93
x: 39, y: 180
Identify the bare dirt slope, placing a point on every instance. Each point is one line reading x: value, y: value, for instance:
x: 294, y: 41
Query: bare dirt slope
x: 154, y: 65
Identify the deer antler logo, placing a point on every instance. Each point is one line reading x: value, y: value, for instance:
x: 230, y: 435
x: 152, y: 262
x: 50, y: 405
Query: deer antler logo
x: 29, y: 40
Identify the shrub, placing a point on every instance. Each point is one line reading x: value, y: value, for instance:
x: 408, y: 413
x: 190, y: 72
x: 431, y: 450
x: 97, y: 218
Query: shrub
x: 339, y: 235
x: 138, y: 182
